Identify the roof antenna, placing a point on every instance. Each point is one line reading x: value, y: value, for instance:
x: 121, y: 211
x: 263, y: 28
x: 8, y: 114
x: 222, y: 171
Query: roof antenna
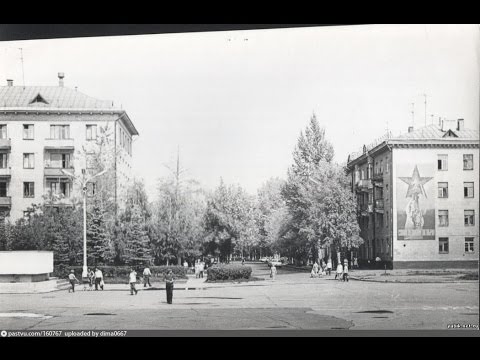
x: 23, y: 72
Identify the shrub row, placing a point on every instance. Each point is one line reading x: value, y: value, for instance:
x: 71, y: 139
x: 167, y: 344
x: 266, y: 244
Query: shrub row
x: 228, y: 272
x: 62, y: 271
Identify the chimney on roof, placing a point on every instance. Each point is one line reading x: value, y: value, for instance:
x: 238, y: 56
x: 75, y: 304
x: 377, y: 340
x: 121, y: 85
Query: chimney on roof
x: 61, y: 75
x: 9, y: 82
x: 410, y: 129
x: 460, y: 125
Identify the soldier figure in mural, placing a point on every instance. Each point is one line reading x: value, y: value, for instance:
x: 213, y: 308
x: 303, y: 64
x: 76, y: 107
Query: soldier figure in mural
x: 413, y: 210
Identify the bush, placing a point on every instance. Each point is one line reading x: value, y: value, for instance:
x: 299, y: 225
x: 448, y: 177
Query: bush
x: 62, y: 271
x: 228, y: 272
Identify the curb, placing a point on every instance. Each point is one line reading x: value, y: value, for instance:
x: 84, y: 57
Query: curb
x: 414, y: 282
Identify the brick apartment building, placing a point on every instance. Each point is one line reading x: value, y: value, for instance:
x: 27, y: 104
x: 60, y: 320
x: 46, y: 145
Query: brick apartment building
x: 44, y: 130
x: 418, y: 197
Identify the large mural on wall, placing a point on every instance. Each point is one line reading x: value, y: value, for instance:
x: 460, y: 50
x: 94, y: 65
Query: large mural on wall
x: 415, y: 201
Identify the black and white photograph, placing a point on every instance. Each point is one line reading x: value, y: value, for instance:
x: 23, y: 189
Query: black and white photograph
x: 302, y: 180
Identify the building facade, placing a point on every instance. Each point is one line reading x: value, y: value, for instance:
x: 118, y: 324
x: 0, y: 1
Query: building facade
x: 418, y: 197
x: 49, y: 132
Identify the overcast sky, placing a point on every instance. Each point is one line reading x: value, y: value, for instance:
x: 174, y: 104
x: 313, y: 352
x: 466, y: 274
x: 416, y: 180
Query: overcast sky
x: 235, y: 102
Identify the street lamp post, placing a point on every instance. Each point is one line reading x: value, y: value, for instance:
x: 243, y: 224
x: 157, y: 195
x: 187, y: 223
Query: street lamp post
x: 85, y: 181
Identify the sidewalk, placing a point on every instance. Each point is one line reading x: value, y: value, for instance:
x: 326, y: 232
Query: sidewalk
x: 416, y: 275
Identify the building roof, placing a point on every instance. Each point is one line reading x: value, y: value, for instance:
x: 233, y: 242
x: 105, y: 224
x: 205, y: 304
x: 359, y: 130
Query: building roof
x: 434, y: 132
x: 40, y: 98
x: 430, y: 134
x: 57, y: 97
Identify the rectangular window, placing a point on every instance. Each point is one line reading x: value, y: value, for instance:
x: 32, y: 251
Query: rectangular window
x: 442, y: 162
x: 28, y: 189
x: 3, y: 160
x: 91, y: 132
x: 443, y: 218
x: 469, y: 217
x: 59, y: 161
x: 469, y: 245
x: 3, y: 131
x: 28, y: 132
x: 60, y: 131
x: 468, y: 189
x: 387, y: 219
x: 28, y: 161
x: 60, y: 187
x: 3, y: 188
x: 387, y: 165
x: 443, y: 190
x: 91, y: 189
x: 443, y: 245
x: 468, y: 162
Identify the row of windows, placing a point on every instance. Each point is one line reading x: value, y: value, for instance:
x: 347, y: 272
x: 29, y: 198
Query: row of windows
x: 59, y: 187
x: 468, y: 218
x: 443, y: 246
x: 467, y: 190
x: 442, y: 162
x: 56, y: 132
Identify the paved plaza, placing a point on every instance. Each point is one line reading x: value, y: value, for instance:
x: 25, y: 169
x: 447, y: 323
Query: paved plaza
x: 292, y: 301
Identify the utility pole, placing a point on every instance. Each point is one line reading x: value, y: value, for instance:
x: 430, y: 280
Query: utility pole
x: 425, y: 95
x: 23, y: 72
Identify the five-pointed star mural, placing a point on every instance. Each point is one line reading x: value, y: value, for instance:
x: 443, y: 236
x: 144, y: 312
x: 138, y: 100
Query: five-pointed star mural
x: 415, y: 183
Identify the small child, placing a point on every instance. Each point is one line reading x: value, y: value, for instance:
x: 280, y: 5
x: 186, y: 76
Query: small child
x: 72, y: 279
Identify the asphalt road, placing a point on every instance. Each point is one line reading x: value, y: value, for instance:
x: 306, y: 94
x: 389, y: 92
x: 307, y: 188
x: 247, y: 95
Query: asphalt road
x: 292, y: 301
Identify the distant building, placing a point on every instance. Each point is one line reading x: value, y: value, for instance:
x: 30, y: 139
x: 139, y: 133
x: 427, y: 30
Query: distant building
x: 418, y: 197
x: 43, y: 130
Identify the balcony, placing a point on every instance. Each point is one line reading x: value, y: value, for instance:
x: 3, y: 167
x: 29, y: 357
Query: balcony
x: 378, y: 176
x: 6, y: 201
x: 57, y: 172
x: 5, y: 144
x: 379, y: 205
x: 59, y: 144
x: 364, y: 184
x: 5, y: 172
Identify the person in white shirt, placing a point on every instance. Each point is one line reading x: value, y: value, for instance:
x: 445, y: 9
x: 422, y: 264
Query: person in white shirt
x: 201, y: 268
x: 133, y: 280
x: 339, y: 271
x: 146, y: 277
x: 72, y: 279
x: 98, y: 279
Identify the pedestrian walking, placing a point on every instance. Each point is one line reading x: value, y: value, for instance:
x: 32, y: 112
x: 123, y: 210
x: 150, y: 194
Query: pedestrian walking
x: 273, y: 271
x: 201, y: 269
x: 185, y: 265
x: 197, y: 269
x: 314, y: 272
x: 355, y: 263
x: 146, y: 277
x: 132, y: 281
x: 345, y: 272
x: 339, y: 271
x: 169, y: 281
x: 72, y: 279
x: 91, y: 279
x: 329, y: 266
x: 98, y: 279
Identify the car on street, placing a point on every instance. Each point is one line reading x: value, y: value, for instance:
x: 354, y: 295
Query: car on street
x: 276, y: 262
x: 264, y: 259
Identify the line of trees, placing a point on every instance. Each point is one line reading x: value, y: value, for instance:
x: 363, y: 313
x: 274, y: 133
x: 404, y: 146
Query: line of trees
x: 309, y: 215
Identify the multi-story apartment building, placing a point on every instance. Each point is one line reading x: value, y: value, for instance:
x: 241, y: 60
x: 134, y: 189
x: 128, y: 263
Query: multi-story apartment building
x: 418, y: 197
x: 48, y: 132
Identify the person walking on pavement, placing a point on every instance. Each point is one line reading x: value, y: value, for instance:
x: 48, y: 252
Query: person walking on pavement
x: 273, y: 271
x: 197, y: 269
x: 185, y: 266
x: 314, y: 272
x: 201, y: 268
x: 72, y: 279
x: 132, y: 281
x: 345, y: 271
x: 329, y: 266
x: 169, y: 280
x: 91, y: 279
x: 146, y: 277
x: 98, y: 278
x: 339, y: 271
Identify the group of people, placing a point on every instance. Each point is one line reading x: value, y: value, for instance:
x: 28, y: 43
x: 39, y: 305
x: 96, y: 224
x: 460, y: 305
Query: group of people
x: 96, y: 277
x: 199, y: 268
x: 93, y: 277
x: 326, y: 268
